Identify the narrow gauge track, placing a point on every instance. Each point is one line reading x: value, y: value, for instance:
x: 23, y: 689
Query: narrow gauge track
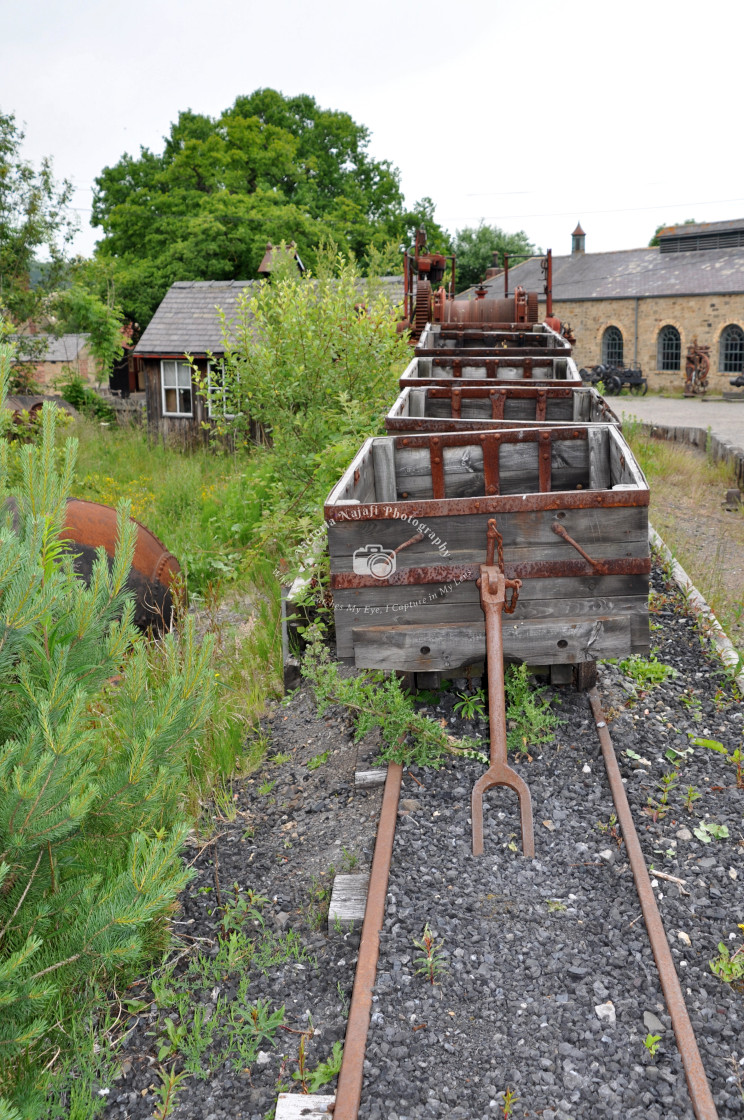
x: 532, y: 949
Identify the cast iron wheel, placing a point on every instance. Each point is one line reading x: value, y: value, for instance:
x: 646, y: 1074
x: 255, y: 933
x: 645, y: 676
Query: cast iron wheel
x: 613, y: 386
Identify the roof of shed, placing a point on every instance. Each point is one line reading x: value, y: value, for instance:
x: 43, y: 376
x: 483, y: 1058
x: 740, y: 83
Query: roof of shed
x: 65, y: 348
x: 630, y: 273
x: 188, y: 319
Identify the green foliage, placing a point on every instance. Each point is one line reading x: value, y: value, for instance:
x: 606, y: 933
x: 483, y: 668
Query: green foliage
x: 93, y: 773
x: 474, y: 247
x: 318, y: 760
x: 269, y: 167
x: 529, y: 719
x: 34, y: 219
x: 709, y: 830
x: 472, y: 705
x: 429, y: 962
x: 76, y: 392
x: 379, y: 701
x: 651, y: 1042
x: 324, y: 1072
x: 83, y: 312
x: 647, y: 672
x: 728, y: 966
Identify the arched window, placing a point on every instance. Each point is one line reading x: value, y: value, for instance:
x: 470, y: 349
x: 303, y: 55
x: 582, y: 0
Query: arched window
x: 731, y: 358
x: 670, y: 349
x: 612, y: 347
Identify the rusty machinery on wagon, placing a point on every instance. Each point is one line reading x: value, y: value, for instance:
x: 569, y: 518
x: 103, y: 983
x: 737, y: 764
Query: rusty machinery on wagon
x: 426, y: 300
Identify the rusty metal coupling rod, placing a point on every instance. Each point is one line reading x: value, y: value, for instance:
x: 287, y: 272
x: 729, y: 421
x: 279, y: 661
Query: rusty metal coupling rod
x: 493, y: 587
x: 697, y: 1082
x: 349, y: 1091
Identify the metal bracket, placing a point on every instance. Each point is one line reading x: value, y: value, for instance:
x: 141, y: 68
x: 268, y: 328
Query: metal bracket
x: 561, y: 532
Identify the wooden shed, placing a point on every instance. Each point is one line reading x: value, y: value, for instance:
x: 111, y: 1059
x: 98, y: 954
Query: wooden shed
x: 187, y: 322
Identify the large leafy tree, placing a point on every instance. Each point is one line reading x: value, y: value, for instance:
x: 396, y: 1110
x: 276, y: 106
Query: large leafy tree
x: 269, y: 168
x: 35, y: 227
x: 475, y: 245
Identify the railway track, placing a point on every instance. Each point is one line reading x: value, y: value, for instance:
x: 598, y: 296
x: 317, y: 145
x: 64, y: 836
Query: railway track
x: 550, y: 984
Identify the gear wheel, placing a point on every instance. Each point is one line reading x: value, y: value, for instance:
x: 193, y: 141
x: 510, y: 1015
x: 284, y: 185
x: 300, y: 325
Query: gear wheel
x: 422, y: 312
x: 532, y: 307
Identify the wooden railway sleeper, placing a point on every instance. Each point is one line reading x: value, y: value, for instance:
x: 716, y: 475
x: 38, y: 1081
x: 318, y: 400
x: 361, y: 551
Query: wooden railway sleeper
x: 493, y: 586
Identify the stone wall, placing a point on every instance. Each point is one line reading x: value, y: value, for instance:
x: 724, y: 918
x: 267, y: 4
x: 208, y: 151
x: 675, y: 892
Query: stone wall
x: 701, y: 316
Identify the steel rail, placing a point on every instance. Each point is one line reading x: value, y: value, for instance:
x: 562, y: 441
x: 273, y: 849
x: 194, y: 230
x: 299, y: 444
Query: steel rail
x: 697, y: 1082
x: 349, y: 1091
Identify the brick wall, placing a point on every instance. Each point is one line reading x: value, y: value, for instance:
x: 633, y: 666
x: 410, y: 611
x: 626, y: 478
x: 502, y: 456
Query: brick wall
x: 701, y: 316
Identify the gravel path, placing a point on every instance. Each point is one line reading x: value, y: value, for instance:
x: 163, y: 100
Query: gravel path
x: 549, y: 986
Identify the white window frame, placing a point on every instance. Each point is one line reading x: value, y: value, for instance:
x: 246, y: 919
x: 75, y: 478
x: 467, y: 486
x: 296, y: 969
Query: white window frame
x: 215, y: 392
x: 176, y: 384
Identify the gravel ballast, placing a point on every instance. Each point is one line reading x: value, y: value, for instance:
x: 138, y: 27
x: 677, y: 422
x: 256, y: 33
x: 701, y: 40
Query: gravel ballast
x: 548, y: 986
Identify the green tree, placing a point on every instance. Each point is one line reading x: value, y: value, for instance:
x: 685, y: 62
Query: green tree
x: 314, y: 361
x: 474, y: 247
x: 268, y: 168
x: 35, y: 227
x: 82, y: 311
x: 97, y: 729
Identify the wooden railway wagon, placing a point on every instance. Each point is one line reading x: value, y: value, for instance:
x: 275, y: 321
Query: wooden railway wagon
x: 487, y: 367
x: 407, y: 530
x: 537, y: 340
x: 467, y: 407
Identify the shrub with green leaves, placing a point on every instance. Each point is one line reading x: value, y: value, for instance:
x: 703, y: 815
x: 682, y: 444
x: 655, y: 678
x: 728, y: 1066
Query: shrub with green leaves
x: 97, y: 730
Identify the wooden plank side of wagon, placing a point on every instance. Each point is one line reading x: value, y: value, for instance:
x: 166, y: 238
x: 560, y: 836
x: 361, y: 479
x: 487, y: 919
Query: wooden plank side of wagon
x: 459, y: 605
x: 465, y: 537
x: 445, y: 647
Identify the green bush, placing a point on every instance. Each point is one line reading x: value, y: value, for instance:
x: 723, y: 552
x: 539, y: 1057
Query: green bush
x: 97, y: 734
x: 74, y: 390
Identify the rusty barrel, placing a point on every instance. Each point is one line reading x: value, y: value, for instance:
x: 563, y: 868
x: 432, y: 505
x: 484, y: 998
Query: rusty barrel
x: 90, y: 525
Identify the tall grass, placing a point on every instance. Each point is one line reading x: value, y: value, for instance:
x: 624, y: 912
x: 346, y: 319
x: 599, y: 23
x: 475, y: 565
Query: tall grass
x: 686, y: 492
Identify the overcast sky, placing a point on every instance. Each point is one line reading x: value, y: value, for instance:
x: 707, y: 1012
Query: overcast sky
x: 528, y: 116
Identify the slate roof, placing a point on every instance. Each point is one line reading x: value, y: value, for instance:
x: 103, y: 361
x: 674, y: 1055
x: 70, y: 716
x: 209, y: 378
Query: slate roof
x: 66, y: 348
x: 630, y: 273
x: 188, y: 322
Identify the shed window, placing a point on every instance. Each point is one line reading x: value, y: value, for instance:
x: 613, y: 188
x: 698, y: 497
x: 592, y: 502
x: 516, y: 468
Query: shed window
x: 670, y: 349
x: 732, y: 350
x: 176, y: 381
x: 221, y: 404
x: 612, y: 347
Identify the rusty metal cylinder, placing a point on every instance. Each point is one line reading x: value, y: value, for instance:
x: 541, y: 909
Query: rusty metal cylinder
x: 469, y: 312
x: 90, y: 525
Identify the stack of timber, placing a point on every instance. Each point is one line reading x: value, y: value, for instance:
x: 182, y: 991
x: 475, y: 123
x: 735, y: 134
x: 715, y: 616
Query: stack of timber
x: 467, y: 407
x: 407, y: 535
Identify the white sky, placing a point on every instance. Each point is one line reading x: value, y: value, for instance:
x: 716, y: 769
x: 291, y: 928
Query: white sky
x: 528, y: 116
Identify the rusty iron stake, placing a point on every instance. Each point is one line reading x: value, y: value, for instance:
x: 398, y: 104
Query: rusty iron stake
x: 493, y: 587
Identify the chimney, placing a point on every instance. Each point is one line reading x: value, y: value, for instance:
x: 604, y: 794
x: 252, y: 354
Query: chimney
x: 578, y: 239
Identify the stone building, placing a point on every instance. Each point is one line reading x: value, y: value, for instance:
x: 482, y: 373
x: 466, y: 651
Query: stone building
x: 49, y: 357
x: 647, y: 305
